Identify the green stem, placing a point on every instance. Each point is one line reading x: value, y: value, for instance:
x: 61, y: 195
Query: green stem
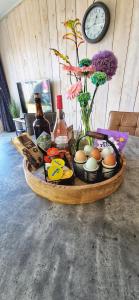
x: 85, y: 122
x: 86, y: 128
x: 84, y: 84
x: 70, y: 79
x: 76, y: 45
x: 77, y: 52
x: 92, y: 101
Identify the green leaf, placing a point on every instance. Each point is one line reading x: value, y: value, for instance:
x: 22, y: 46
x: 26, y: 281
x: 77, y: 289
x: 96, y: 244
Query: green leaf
x: 72, y: 23
x: 59, y: 54
x: 69, y: 24
x: 14, y: 109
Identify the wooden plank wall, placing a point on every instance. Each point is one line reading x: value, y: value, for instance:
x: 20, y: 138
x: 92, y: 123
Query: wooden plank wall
x: 33, y: 27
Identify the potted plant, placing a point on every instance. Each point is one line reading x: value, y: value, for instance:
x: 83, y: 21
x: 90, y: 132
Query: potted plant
x: 15, y: 113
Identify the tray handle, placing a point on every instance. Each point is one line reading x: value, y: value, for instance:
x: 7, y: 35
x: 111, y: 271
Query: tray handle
x: 97, y: 135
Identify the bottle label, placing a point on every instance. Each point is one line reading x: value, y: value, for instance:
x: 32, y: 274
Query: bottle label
x: 44, y: 141
x: 61, y: 141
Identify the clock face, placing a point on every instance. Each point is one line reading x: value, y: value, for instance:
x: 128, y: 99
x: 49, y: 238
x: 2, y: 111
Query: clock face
x: 96, y: 22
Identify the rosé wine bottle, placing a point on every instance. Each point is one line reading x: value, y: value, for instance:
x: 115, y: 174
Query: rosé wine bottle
x: 60, y: 132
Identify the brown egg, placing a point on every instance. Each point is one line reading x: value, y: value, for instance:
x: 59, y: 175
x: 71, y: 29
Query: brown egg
x: 80, y: 156
x: 110, y: 160
x: 95, y: 153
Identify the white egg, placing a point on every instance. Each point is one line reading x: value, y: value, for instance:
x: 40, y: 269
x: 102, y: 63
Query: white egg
x: 106, y: 151
x: 91, y: 164
x: 88, y: 149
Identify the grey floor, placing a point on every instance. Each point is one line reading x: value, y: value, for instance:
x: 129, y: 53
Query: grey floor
x: 58, y: 252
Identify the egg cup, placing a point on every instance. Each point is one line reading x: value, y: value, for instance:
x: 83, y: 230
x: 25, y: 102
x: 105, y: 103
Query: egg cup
x: 90, y: 176
x: 79, y: 164
x: 108, y: 171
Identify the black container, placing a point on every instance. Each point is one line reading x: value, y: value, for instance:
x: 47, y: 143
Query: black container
x: 67, y: 181
x: 98, y: 175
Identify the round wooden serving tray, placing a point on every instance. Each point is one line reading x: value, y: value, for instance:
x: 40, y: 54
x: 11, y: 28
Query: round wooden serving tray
x: 79, y: 193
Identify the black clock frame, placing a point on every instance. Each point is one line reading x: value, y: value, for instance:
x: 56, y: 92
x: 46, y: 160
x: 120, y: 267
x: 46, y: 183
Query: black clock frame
x: 106, y: 26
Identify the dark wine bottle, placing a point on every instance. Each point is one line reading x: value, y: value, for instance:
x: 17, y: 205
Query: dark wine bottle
x: 41, y: 125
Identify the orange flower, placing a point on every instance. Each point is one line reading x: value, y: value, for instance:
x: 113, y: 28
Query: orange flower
x: 74, y: 90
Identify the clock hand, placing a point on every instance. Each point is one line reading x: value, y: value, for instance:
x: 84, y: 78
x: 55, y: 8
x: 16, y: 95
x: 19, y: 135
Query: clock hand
x: 95, y: 21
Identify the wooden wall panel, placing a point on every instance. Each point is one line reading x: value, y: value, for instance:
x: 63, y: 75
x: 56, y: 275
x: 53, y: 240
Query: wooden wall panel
x: 91, y: 50
x: 100, y: 104
x: 136, y: 102
x: 13, y: 35
x: 71, y: 105
x: 32, y: 42
x: 45, y: 40
x: 80, y: 9
x: 29, y: 31
x: 52, y: 19
x: 61, y: 17
x: 120, y: 48
x: 8, y: 59
x: 26, y: 40
x: 131, y: 76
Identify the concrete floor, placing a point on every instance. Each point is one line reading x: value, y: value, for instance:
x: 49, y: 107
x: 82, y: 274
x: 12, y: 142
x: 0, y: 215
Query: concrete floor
x: 58, y: 252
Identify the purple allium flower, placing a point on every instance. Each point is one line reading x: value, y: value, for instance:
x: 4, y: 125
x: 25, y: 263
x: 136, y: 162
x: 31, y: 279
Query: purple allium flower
x: 105, y: 61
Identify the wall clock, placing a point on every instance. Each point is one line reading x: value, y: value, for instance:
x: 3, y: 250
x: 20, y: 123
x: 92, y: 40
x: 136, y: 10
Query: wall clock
x: 95, y: 22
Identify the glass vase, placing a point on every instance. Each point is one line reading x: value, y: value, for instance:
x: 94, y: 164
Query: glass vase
x: 86, y: 126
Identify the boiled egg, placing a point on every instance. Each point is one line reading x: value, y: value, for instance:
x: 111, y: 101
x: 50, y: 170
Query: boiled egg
x: 91, y: 164
x: 87, y: 150
x: 106, y: 151
x: 110, y: 160
x: 96, y: 154
x: 80, y: 156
